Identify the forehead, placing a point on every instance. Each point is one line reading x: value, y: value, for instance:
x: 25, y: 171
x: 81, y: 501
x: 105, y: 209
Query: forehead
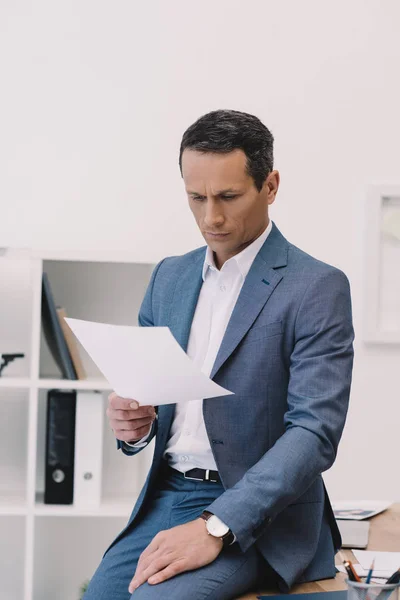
x: 214, y: 169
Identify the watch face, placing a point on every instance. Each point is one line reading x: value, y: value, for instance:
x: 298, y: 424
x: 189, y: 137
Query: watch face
x: 216, y: 527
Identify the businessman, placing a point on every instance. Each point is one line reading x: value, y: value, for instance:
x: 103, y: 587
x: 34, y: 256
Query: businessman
x: 234, y: 498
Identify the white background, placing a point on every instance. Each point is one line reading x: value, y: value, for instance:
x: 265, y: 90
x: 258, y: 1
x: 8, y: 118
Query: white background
x: 95, y: 96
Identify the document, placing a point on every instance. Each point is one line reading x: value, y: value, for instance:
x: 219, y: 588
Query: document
x: 357, y: 510
x: 144, y: 363
x: 386, y: 563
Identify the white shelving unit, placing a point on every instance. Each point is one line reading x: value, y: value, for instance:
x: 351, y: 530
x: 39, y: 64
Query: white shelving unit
x: 47, y: 551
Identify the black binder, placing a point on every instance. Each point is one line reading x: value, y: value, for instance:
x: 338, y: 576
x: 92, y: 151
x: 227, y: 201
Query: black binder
x: 60, y: 447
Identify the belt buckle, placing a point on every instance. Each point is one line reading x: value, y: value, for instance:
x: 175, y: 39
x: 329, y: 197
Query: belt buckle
x: 208, y: 478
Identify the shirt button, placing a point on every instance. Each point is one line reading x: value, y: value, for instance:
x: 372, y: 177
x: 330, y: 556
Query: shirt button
x: 222, y: 288
x: 184, y: 458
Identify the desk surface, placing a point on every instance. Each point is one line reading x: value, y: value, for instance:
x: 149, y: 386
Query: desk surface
x: 384, y: 535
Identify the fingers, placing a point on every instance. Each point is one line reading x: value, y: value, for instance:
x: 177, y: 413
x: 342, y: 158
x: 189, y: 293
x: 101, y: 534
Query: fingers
x: 150, y: 550
x: 160, y: 569
x: 128, y: 415
x: 119, y: 403
x: 131, y: 426
x: 131, y: 436
x: 182, y: 548
x: 116, y: 401
x: 156, y: 564
x: 144, y: 562
x: 142, y: 575
x: 170, y: 571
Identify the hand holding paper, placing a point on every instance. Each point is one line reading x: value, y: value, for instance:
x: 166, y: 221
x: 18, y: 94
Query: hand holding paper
x: 144, y: 363
x: 129, y: 421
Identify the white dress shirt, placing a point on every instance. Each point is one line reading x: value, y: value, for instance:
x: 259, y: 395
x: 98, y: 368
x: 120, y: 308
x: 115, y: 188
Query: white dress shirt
x: 188, y: 446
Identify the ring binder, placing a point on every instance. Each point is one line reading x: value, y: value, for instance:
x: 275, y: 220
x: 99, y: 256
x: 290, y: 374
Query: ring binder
x: 60, y: 447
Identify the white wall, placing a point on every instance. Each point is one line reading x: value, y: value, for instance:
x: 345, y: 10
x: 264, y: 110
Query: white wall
x: 95, y: 96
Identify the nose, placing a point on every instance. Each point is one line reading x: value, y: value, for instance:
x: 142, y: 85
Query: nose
x: 213, y: 217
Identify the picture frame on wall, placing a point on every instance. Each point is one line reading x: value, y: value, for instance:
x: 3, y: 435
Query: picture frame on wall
x: 382, y: 272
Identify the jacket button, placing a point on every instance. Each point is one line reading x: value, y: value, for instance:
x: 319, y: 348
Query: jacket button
x: 217, y: 441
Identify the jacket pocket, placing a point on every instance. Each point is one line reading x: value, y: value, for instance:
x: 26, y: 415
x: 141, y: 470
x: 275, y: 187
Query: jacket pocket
x: 261, y: 332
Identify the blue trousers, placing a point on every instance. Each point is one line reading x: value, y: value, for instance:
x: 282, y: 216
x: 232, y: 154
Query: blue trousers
x: 175, y: 501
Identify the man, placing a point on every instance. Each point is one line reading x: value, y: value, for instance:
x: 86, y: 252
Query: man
x: 234, y: 497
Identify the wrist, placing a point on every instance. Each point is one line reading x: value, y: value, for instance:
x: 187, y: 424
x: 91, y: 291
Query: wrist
x: 215, y: 541
x: 217, y: 528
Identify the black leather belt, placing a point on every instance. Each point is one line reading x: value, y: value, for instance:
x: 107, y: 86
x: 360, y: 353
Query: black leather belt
x: 203, y: 475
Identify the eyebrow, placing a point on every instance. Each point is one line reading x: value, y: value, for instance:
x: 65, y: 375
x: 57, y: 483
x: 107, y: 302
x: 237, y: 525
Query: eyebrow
x: 219, y: 193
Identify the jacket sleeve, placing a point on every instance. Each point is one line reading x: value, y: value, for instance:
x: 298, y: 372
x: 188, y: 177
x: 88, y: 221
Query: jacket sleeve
x: 145, y: 319
x: 130, y: 450
x: 317, y: 402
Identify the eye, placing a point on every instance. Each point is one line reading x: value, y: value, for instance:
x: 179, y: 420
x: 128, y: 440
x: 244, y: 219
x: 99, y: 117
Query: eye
x: 198, y: 198
x: 230, y: 197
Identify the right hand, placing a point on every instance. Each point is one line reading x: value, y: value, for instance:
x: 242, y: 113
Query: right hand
x: 129, y: 421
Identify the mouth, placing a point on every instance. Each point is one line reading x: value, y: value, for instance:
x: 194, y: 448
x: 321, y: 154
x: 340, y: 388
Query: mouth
x: 216, y: 235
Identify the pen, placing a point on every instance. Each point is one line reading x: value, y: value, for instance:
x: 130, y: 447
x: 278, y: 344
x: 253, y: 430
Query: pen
x: 395, y: 578
x: 349, y: 568
x: 368, y: 580
x: 351, y: 571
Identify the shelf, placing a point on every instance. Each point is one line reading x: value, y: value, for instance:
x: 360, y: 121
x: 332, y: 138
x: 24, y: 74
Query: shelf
x: 34, y: 564
x: 110, y: 507
x: 12, y: 503
x: 15, y: 382
x: 67, y: 552
x: 12, y: 556
x: 73, y: 384
x: 60, y: 384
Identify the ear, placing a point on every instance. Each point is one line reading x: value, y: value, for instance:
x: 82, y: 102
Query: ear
x: 272, y: 185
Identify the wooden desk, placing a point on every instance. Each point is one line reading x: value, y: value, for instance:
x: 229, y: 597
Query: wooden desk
x: 384, y: 535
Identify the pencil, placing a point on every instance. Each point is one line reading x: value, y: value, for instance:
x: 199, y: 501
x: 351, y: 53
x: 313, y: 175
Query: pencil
x: 368, y: 580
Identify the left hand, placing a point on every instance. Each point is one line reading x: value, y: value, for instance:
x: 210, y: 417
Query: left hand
x: 182, y: 548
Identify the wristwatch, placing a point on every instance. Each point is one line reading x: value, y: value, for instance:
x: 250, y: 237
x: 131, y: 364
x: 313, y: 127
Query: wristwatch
x: 217, y: 528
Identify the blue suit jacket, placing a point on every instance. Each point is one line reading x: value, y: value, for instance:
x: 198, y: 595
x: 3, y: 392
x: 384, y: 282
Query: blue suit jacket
x: 287, y: 354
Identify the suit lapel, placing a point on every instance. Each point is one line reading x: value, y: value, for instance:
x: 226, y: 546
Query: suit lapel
x: 183, y: 306
x: 258, y: 286
x: 185, y: 299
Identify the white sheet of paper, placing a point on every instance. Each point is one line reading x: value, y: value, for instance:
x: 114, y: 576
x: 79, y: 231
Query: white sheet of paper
x: 386, y: 563
x: 144, y: 363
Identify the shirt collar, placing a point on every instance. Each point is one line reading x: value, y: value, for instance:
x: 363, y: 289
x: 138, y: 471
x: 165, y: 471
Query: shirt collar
x: 244, y: 259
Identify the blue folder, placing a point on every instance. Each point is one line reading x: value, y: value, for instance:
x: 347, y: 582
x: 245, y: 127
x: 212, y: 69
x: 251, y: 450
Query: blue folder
x: 342, y: 595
